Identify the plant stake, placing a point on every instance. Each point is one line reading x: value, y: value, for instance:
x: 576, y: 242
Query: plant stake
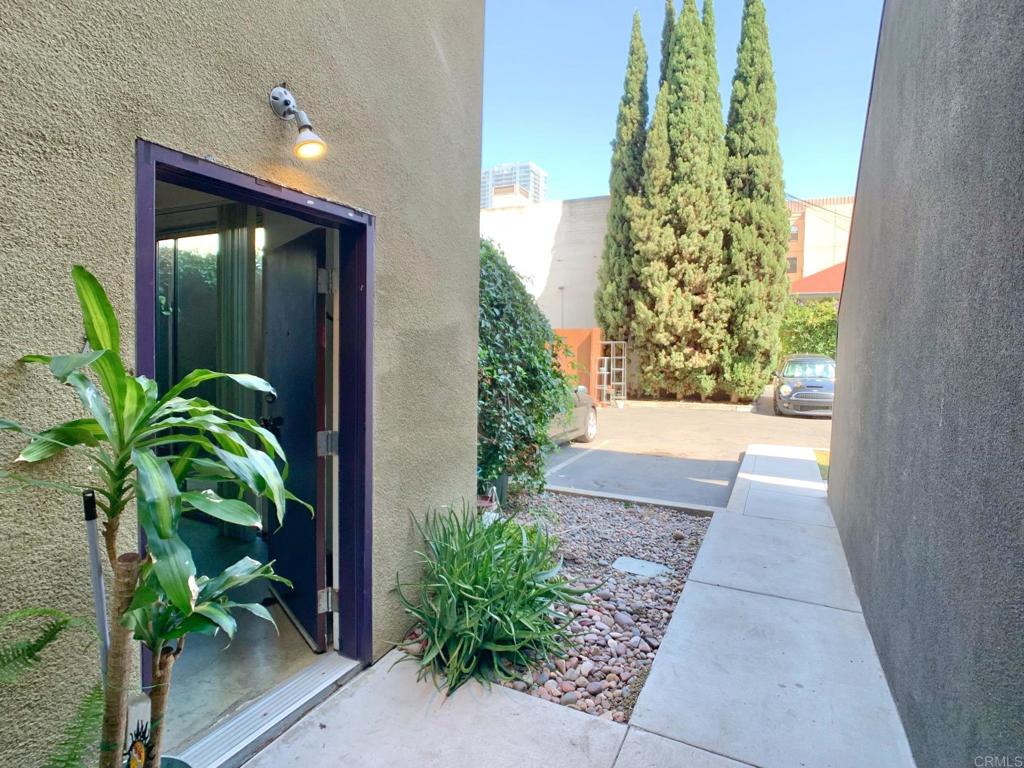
x: 99, y: 594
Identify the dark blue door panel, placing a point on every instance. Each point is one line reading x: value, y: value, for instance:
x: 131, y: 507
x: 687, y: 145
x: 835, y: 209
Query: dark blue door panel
x: 293, y: 362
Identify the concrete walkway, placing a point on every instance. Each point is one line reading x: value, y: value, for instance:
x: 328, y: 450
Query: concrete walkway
x: 684, y: 454
x: 767, y: 659
x: 766, y: 662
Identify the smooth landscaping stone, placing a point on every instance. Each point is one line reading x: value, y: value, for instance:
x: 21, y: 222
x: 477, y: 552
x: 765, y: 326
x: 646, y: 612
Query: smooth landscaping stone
x: 639, y: 567
x: 772, y: 682
x: 386, y: 719
x: 776, y: 557
x: 648, y: 750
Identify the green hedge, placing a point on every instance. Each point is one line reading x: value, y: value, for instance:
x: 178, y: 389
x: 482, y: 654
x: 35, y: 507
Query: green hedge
x: 520, y: 385
x: 810, y: 326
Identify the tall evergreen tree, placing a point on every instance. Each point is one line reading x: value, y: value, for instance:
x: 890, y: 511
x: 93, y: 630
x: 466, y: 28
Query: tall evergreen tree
x: 667, y: 28
x: 679, y: 328
x: 708, y: 22
x: 756, y: 239
x: 613, y: 302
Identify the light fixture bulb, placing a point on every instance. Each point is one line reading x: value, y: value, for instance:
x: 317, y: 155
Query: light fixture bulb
x: 308, y: 146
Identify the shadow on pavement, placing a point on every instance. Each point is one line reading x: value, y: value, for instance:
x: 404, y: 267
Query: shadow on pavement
x: 681, y: 480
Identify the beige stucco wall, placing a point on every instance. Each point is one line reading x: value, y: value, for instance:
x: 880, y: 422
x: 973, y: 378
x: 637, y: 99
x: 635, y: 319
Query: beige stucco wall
x: 556, y: 246
x: 395, y: 88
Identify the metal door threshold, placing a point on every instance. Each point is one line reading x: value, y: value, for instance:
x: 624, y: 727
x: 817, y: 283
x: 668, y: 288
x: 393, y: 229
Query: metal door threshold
x: 232, y: 743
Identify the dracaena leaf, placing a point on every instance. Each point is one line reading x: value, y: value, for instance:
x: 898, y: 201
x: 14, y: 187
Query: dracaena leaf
x: 55, y: 440
x: 256, y: 609
x: 157, y: 490
x: 103, y: 334
x: 198, y: 376
x: 229, y: 510
x: 237, y: 575
x: 101, y: 327
x: 219, y: 616
x: 94, y: 402
x: 172, y: 566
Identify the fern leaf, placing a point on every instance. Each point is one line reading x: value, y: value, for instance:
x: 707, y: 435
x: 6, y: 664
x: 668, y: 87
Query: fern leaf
x: 18, y: 657
x: 81, y: 735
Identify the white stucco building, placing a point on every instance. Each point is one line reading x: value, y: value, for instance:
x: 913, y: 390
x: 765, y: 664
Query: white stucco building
x: 556, y: 246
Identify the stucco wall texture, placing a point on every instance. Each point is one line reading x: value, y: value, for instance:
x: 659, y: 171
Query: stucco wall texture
x: 395, y: 89
x: 927, y: 484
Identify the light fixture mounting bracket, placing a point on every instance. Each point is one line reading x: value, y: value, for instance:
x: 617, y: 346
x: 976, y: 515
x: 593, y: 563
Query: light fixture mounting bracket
x: 282, y: 101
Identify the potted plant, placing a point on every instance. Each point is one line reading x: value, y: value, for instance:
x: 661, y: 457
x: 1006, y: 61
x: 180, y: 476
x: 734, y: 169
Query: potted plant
x: 141, y: 448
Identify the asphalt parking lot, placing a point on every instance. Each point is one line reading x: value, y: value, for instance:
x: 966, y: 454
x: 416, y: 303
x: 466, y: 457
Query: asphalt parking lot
x: 685, y: 453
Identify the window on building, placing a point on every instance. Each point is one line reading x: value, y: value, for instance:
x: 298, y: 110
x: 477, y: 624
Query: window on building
x: 794, y: 231
x: 791, y: 265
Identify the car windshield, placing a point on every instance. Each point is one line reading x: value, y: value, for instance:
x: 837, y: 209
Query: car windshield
x: 810, y: 369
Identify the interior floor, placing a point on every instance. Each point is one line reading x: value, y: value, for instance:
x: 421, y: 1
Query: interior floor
x: 214, y: 678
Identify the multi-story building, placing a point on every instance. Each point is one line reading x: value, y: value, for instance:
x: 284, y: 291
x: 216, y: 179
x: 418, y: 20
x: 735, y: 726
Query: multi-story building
x: 512, y: 184
x: 818, y: 233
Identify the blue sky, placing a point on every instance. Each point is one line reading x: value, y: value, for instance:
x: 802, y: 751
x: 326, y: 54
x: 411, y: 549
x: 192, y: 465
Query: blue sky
x: 553, y: 72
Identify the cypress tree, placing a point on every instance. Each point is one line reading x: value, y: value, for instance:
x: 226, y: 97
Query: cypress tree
x: 679, y: 328
x: 667, y: 28
x: 756, y: 239
x: 613, y: 301
x: 708, y: 22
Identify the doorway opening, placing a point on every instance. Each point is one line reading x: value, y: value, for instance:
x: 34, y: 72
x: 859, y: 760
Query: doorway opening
x: 237, y: 275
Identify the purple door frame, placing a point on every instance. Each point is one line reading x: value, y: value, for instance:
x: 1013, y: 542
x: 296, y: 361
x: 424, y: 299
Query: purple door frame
x: 354, y: 366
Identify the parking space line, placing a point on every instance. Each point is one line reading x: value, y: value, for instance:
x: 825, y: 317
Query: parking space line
x: 577, y: 457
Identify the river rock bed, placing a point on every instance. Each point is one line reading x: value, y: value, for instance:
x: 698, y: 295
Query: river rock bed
x: 620, y: 622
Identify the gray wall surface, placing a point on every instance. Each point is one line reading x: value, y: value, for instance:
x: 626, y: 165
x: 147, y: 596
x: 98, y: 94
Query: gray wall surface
x: 394, y: 88
x: 927, y: 481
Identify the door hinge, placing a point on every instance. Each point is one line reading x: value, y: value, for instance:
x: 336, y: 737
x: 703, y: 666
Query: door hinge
x: 323, y: 280
x: 327, y: 600
x: 327, y: 443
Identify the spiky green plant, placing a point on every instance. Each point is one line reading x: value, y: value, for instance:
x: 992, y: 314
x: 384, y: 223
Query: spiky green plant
x: 142, y: 449
x: 19, y: 656
x: 487, y: 601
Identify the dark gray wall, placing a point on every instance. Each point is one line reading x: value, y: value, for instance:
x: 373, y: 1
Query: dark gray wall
x: 928, y: 446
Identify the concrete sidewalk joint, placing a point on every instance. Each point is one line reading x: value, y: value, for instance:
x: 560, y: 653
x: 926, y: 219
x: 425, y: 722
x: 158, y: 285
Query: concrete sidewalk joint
x: 767, y: 659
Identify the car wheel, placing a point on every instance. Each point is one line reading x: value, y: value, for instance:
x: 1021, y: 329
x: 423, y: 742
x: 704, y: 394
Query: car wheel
x: 589, y: 428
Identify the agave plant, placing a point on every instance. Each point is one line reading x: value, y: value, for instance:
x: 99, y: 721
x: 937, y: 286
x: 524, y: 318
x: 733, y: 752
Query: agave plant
x: 142, y: 448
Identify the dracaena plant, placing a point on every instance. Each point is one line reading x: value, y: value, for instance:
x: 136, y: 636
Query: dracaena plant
x: 141, y: 448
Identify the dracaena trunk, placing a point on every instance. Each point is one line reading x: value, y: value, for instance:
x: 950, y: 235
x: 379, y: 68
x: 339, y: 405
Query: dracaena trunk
x: 163, y: 663
x: 126, y: 576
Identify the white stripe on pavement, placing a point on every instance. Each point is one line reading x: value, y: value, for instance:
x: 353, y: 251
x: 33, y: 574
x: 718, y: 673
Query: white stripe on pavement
x: 579, y: 455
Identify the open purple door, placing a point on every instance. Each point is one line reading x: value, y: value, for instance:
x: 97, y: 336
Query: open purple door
x: 294, y: 317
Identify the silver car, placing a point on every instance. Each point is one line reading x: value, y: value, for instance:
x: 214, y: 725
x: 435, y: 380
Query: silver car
x: 579, y: 424
x: 804, y: 385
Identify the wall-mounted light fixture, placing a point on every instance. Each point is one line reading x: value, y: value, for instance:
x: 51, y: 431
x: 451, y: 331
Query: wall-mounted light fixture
x: 307, y: 146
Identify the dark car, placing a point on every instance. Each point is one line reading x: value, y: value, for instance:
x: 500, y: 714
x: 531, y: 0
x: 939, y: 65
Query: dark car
x: 804, y: 385
x: 579, y: 425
